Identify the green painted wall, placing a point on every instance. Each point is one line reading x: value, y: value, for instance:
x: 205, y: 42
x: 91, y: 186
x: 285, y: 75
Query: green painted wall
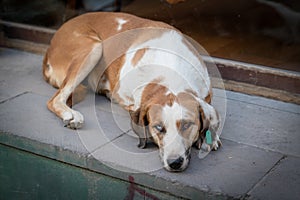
x: 28, y: 176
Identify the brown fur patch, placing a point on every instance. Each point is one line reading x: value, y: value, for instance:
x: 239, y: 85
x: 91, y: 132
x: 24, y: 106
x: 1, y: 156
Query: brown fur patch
x: 160, y: 139
x: 178, y: 124
x: 112, y: 73
x: 208, y: 98
x: 154, y: 116
x: 138, y: 56
x: 155, y: 93
x: 189, y: 102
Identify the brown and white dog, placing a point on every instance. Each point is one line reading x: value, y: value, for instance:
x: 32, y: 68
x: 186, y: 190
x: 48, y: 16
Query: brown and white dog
x: 147, y: 67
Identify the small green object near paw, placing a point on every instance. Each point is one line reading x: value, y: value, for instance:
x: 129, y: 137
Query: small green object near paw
x: 208, y: 137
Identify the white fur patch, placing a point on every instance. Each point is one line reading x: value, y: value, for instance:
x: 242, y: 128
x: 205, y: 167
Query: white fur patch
x: 173, y: 143
x: 173, y: 62
x: 121, y: 22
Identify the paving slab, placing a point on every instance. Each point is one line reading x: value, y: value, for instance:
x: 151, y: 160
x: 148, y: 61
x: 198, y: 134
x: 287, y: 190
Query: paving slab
x: 283, y: 182
x: 262, y: 101
x: 27, y: 116
x: 274, y: 127
x: 260, y: 138
x: 102, y: 125
x: 20, y: 74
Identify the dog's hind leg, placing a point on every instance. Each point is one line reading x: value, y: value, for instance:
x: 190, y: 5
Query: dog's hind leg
x: 82, y: 64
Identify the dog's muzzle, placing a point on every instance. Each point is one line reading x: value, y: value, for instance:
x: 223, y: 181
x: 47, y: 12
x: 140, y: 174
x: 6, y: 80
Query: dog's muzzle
x: 179, y: 163
x: 175, y: 164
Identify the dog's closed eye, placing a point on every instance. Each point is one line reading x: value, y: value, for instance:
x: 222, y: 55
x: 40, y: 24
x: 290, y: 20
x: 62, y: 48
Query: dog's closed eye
x: 185, y: 126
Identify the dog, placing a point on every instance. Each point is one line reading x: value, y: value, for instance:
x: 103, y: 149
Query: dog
x: 145, y: 66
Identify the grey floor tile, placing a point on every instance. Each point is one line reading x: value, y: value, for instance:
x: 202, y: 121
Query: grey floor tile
x: 263, y: 127
x: 283, y: 182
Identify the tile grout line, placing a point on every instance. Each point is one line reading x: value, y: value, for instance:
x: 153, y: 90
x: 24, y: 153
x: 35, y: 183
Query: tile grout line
x: 261, y: 148
x: 247, y: 194
x: 11, y: 98
x: 90, y: 153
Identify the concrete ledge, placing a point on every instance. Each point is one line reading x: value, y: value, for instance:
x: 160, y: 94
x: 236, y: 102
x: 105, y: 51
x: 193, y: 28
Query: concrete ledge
x: 260, y: 141
x: 168, y: 188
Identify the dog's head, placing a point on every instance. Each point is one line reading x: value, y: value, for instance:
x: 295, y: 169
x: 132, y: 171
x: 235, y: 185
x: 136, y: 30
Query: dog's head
x: 174, y: 123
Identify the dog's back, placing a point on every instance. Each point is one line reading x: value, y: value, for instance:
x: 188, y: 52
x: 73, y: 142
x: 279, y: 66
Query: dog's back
x: 84, y: 31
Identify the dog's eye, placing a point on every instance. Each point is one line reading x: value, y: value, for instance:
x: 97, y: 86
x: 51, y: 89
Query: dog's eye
x: 186, y: 125
x: 159, y: 128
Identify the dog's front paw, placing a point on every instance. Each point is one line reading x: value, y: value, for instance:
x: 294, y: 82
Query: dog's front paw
x: 73, y: 119
x: 205, y: 147
x: 211, y: 144
x: 216, y: 144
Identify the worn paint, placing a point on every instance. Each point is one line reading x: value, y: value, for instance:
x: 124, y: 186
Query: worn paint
x: 29, y: 176
x: 134, y: 188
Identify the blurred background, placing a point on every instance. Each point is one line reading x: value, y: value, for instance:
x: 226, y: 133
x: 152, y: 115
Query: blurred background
x: 260, y: 32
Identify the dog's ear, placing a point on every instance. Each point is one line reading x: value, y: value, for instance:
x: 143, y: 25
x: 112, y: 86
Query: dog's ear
x: 139, y: 124
x: 209, y: 120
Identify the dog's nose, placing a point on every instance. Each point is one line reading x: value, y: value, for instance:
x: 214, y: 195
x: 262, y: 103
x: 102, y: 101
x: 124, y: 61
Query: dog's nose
x: 175, y: 163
